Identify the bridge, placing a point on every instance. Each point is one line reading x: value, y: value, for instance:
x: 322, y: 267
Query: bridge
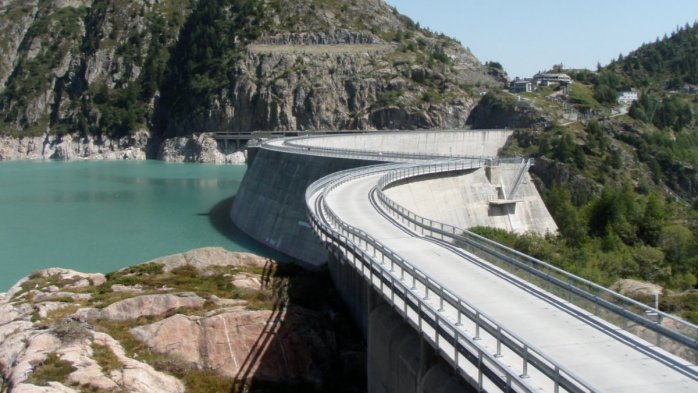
x: 499, y: 319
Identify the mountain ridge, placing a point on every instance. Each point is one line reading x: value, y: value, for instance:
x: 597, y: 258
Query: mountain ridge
x: 175, y: 68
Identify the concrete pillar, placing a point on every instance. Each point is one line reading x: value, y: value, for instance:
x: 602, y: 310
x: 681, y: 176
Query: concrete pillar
x: 400, y: 361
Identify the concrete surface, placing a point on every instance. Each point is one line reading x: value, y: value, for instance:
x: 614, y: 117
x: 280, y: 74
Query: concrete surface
x: 270, y: 203
x: 455, y: 142
x: 469, y: 199
x: 593, y: 353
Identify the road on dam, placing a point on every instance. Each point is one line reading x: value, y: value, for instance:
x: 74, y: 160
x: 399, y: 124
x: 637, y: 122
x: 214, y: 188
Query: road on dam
x: 603, y: 356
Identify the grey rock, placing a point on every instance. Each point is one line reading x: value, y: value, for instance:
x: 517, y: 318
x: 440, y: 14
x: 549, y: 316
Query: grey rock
x: 147, y: 305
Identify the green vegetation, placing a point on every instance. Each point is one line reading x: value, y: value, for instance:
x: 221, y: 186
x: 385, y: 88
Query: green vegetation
x: 621, y: 189
x: 51, y: 369
x: 388, y: 98
x: 672, y: 112
x: 210, y: 43
x: 582, y: 97
x: 106, y: 358
x: 666, y: 63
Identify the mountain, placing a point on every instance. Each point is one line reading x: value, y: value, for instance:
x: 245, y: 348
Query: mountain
x: 621, y: 181
x: 667, y: 63
x: 175, y: 67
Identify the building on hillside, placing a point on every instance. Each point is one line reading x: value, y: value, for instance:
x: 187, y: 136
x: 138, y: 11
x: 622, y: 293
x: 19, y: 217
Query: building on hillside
x: 521, y: 86
x: 627, y: 97
x: 547, y: 79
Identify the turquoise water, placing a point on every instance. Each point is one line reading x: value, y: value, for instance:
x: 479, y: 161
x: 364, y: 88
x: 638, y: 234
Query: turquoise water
x: 97, y: 216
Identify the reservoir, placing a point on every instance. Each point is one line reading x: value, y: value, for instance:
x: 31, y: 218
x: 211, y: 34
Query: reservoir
x: 99, y: 216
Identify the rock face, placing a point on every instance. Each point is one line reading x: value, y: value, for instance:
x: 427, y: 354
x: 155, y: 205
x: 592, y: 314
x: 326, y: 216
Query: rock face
x: 148, y: 305
x: 70, y: 147
x: 80, y: 67
x: 239, y: 343
x: 142, y: 329
x: 635, y: 288
x: 198, y: 148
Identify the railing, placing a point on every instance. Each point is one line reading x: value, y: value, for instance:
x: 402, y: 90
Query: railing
x: 519, y: 178
x: 292, y: 145
x: 416, y: 296
x: 678, y: 337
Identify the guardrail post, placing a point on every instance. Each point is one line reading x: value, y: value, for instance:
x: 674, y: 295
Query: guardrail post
x: 477, y: 326
x: 441, y: 304
x: 525, y: 362
x: 479, y: 371
x: 499, y: 342
x: 556, y: 387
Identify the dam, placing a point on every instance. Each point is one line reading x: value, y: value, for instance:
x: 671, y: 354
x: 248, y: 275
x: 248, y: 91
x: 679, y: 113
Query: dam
x: 444, y: 310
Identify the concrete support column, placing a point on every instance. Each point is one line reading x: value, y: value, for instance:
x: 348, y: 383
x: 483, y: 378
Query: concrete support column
x: 400, y: 361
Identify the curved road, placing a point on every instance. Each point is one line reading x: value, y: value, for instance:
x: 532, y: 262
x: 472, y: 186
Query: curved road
x: 607, y: 358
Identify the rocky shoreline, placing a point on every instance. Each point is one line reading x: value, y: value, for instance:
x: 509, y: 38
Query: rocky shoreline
x: 204, y: 320
x: 201, y: 148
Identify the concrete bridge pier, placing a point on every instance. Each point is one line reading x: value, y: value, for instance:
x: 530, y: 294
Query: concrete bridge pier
x: 399, y: 360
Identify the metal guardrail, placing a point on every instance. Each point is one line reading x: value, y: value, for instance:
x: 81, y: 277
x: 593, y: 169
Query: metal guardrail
x: 678, y: 337
x: 293, y: 145
x: 519, y: 178
x: 414, y: 288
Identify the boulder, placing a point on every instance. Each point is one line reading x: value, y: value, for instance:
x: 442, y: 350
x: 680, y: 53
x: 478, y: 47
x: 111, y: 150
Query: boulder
x: 137, y: 376
x: 146, y: 305
x: 636, y: 288
x: 272, y: 346
x: 202, y: 258
x: 53, y: 387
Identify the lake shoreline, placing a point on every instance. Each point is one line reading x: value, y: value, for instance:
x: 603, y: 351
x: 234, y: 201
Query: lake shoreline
x: 95, y: 215
x: 200, y: 148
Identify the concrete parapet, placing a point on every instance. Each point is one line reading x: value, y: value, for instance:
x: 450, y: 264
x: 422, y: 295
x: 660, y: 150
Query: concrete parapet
x: 456, y: 142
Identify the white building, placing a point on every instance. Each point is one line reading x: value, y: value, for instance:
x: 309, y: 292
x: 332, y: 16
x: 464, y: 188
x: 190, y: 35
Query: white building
x: 627, y: 97
x: 547, y: 79
x: 521, y: 86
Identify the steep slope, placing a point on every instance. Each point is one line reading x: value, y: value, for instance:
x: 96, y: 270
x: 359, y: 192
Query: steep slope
x: 178, y: 67
x: 670, y: 62
x: 621, y: 182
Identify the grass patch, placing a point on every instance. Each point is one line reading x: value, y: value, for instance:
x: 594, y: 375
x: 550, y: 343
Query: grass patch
x: 53, y: 368
x: 55, y: 316
x: 106, y: 358
x: 38, y: 281
x: 582, y: 96
x: 195, y: 380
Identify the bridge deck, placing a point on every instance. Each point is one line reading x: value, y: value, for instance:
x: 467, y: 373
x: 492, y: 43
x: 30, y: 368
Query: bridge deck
x: 595, y: 353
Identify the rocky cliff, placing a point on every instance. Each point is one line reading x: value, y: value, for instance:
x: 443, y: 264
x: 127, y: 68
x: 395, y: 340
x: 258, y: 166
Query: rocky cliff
x: 173, y: 68
x: 206, y: 320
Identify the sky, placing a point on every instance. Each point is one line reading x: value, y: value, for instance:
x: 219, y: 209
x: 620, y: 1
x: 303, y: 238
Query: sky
x: 527, y: 36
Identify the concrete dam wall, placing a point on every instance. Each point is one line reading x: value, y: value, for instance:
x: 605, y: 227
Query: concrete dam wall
x: 476, y: 198
x: 270, y: 204
x: 463, y: 143
x: 270, y: 207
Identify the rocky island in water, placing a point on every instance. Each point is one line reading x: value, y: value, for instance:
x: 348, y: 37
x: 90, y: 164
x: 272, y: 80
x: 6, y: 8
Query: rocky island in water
x: 205, y: 320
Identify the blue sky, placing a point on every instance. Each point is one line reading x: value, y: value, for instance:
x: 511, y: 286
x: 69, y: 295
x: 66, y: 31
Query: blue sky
x: 526, y: 36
